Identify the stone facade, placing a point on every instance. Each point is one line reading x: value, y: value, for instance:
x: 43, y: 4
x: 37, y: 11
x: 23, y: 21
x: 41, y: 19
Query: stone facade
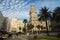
x: 16, y: 25
x: 34, y: 20
x: 33, y: 17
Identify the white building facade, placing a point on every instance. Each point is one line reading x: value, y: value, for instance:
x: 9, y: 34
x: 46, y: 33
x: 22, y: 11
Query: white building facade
x: 16, y: 25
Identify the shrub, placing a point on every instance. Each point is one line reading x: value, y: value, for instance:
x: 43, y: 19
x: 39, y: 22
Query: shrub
x: 35, y: 37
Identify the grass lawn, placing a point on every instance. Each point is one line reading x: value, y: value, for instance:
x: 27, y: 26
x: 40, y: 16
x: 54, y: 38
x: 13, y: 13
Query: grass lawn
x: 48, y: 37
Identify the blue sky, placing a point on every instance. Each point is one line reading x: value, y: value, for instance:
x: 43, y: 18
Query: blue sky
x: 20, y: 8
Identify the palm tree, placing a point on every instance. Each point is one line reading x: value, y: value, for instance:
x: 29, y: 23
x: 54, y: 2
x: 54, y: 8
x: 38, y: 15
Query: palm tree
x: 56, y: 18
x: 45, y: 15
x: 56, y: 14
x: 30, y: 26
x: 25, y: 22
x: 39, y: 27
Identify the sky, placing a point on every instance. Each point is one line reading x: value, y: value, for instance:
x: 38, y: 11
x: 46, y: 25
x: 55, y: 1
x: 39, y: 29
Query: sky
x: 20, y: 8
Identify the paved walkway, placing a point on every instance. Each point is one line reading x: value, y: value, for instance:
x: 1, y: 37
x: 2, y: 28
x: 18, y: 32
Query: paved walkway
x: 19, y: 37
x: 22, y: 37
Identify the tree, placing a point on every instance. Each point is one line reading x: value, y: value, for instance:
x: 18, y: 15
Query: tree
x: 25, y: 22
x: 44, y: 15
x: 29, y: 27
x: 56, y: 15
x: 39, y: 27
x: 24, y: 29
x: 56, y: 18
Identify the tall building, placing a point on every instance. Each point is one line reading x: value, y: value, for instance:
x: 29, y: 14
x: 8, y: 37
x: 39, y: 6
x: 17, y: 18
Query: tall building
x: 5, y: 23
x: 34, y: 20
x: 1, y: 20
x: 16, y: 25
x: 33, y: 17
x: 8, y: 25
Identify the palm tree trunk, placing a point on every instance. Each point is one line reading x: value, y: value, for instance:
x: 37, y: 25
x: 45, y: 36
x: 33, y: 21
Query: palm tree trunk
x: 47, y: 29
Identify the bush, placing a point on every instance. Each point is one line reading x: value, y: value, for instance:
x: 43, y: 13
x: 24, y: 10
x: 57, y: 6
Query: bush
x: 58, y: 35
x: 35, y: 37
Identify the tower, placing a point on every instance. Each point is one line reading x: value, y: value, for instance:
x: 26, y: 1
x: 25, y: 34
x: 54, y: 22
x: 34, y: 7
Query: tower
x: 34, y: 21
x: 33, y: 17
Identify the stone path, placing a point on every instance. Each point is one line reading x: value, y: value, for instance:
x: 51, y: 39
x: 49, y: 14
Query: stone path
x: 22, y: 37
x: 19, y: 37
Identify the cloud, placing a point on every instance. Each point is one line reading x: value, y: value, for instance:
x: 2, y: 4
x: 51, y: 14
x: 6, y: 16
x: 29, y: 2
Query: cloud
x: 20, y: 8
x: 13, y: 9
x: 21, y: 15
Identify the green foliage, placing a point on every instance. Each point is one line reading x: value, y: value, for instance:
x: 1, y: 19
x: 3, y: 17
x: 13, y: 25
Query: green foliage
x: 25, y: 21
x: 35, y: 37
x: 38, y: 26
x: 56, y: 14
x: 44, y: 14
x: 56, y: 18
x: 30, y: 26
x: 24, y: 29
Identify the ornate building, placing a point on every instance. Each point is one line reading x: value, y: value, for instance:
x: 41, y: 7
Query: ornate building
x: 33, y: 17
x: 34, y: 20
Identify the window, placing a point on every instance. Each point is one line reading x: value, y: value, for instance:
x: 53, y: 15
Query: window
x: 19, y: 28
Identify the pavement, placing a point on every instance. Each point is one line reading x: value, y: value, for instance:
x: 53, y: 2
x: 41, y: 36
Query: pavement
x: 25, y: 37
x: 19, y: 37
x: 22, y: 37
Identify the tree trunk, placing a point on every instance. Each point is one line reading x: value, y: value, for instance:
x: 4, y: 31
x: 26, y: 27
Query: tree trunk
x: 47, y: 29
x: 32, y: 31
x: 37, y: 32
x: 25, y: 28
